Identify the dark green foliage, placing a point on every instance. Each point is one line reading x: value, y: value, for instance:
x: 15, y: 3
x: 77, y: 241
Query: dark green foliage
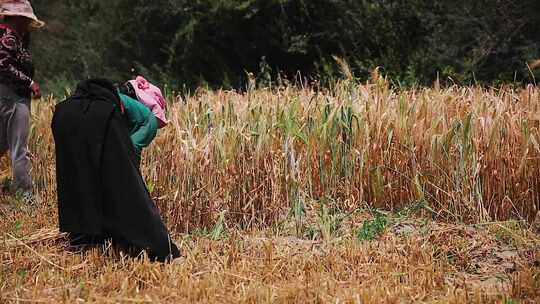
x: 216, y: 42
x: 372, y: 228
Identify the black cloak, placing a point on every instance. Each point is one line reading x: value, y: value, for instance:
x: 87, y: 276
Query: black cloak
x: 101, y: 192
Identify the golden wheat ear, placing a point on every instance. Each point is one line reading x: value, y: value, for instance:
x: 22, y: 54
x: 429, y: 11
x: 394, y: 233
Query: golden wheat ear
x: 535, y: 64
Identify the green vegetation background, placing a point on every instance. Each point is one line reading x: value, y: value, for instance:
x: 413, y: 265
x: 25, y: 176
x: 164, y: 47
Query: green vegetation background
x: 186, y: 43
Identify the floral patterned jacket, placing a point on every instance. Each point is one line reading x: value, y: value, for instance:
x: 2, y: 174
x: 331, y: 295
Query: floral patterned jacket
x: 16, y: 67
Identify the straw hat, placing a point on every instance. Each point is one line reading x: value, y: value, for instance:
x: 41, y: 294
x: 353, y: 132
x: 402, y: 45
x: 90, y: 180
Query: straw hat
x: 21, y: 8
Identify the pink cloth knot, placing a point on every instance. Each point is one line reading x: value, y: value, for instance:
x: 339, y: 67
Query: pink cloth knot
x: 152, y: 98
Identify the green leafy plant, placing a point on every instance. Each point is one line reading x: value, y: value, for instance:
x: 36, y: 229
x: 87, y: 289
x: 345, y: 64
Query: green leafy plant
x: 372, y: 228
x: 219, y: 231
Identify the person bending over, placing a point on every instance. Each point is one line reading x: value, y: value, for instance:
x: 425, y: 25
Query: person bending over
x: 101, y: 192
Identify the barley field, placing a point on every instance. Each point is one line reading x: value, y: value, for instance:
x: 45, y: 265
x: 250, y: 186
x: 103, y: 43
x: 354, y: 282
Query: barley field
x: 361, y: 193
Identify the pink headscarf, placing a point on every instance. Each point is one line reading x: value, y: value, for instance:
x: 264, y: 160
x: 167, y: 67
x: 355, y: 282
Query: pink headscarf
x: 151, y: 97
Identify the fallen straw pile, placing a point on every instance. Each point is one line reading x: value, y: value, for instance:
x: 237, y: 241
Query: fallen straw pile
x: 42, y: 236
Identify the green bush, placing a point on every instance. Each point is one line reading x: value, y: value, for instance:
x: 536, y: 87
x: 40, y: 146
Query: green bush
x: 217, y: 42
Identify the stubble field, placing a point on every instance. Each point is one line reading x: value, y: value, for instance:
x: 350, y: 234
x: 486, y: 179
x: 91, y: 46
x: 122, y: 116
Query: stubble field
x: 356, y: 194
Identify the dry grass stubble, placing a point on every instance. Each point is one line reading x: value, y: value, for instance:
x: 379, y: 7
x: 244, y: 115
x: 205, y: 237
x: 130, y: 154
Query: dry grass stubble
x: 276, y: 168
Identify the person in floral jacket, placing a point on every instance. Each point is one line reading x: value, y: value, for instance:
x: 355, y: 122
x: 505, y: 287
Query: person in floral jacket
x: 17, y: 86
